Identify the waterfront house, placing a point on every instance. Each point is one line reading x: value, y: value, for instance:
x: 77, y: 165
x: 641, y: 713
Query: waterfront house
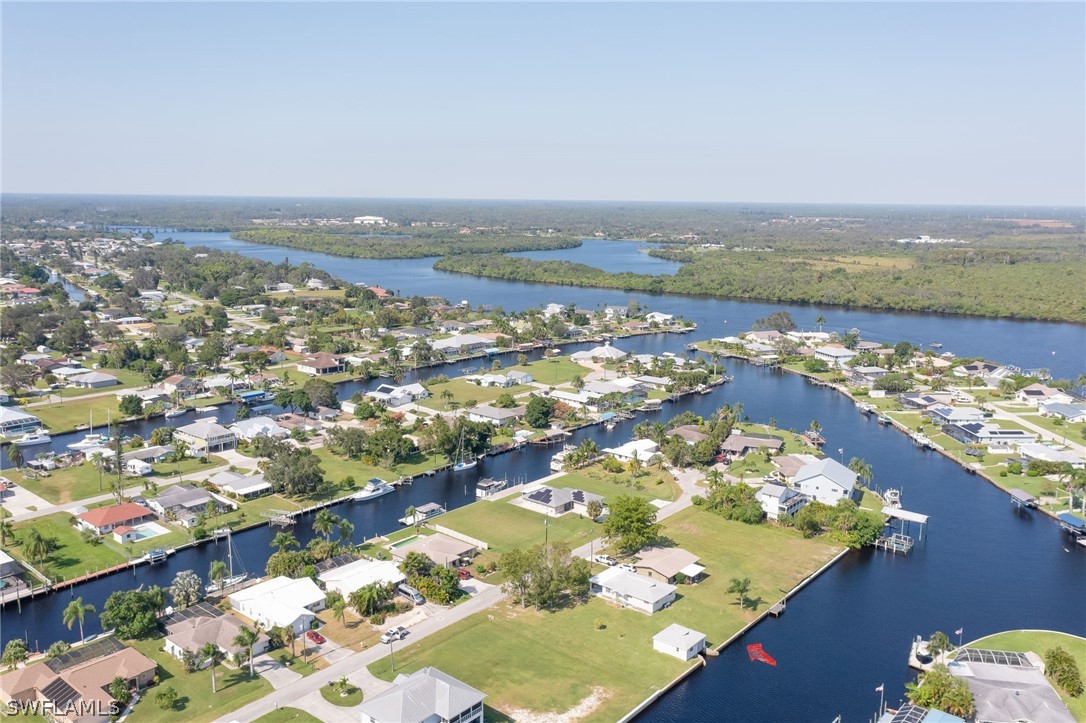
x: 440, y: 548
x: 356, y: 575
x: 14, y: 422
x: 913, y: 400
x: 827, y: 481
x: 666, y: 564
x: 460, y: 344
x: 79, y: 682
x: 320, y: 364
x: 179, y: 383
x: 194, y: 632
x: 991, y: 435
x: 94, y: 380
x: 102, y: 520
x: 739, y: 443
x: 186, y: 503
x: 941, y: 415
x: 425, y: 696
x: 582, y: 400
x: 605, y: 353
x: 261, y: 426
x: 205, y: 436
x: 679, y: 642
x: 789, y: 465
x: 1044, y: 453
x: 835, y: 356
x: 1073, y: 413
x: 778, y: 501
x: 556, y: 501
x: 643, y: 450
x: 689, y: 433
x: 393, y: 396
x: 865, y: 376
x: 239, y: 485
x: 497, y: 416
x: 8, y: 566
x: 1009, y: 686
x: 631, y: 590
x: 1035, y: 394
x: 280, y: 601
x: 976, y: 369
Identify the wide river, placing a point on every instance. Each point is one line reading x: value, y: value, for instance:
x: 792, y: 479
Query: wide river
x: 982, y: 566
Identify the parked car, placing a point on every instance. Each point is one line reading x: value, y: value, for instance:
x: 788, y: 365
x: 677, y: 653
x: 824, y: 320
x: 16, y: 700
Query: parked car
x: 627, y: 567
x: 603, y: 560
x: 465, y: 574
x: 315, y: 637
x: 411, y: 594
x: 396, y: 633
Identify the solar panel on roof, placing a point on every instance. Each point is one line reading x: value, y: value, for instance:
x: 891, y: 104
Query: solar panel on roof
x: 60, y: 693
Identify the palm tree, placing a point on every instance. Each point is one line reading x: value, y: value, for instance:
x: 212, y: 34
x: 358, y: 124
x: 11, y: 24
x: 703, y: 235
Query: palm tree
x: 740, y: 587
x: 820, y: 320
x: 15, y: 456
x: 365, y: 600
x: 446, y: 396
x: 289, y: 636
x: 5, y: 530
x: 283, y: 540
x: 247, y: 638
x: 218, y: 573
x: 35, y: 546
x: 75, y: 612
x: 211, y: 653
x: 98, y: 461
x: 346, y: 529
x: 339, y: 610
x: 815, y: 425
x: 324, y: 523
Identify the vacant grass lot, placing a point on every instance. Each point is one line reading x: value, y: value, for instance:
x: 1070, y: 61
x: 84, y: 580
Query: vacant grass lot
x: 196, y: 702
x: 64, y: 416
x: 505, y: 526
x: 73, y: 557
x: 656, y: 484
x: 1023, y: 641
x: 553, y: 371
x: 83, y: 481
x: 464, y: 391
x: 544, y: 661
x: 339, y: 468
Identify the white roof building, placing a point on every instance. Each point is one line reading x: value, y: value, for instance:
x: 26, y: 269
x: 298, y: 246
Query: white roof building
x: 679, y: 642
x: 629, y: 589
x: 827, y: 481
x: 605, y: 352
x: 357, y: 575
x: 13, y: 421
x: 640, y: 449
x: 280, y: 601
x: 258, y: 427
x: 426, y: 696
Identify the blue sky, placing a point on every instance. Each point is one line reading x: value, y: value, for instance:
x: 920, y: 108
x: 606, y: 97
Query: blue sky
x: 866, y: 103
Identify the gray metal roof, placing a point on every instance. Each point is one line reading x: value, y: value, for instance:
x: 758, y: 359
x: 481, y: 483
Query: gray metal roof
x: 416, y: 697
x: 829, y: 468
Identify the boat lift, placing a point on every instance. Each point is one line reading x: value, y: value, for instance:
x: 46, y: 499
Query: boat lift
x: 900, y: 522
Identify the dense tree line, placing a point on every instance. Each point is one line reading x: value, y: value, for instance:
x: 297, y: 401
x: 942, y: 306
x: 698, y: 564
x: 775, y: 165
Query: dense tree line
x: 417, y: 245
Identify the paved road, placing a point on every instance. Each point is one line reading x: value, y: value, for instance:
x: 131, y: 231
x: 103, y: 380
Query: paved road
x: 291, y: 693
x: 1045, y: 434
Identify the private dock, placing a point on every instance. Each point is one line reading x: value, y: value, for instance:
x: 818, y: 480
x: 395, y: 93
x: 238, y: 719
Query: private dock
x: 1021, y: 498
x: 900, y: 522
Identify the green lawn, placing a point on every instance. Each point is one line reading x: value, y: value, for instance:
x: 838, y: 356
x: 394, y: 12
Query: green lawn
x: 347, y: 698
x: 196, y: 701
x: 252, y: 513
x: 297, y: 663
x: 553, y: 371
x: 1064, y: 431
x: 505, y: 526
x: 544, y: 661
x: 1038, y: 641
x: 338, y: 468
x: 596, y: 480
x: 464, y: 391
x: 64, y: 416
x: 287, y: 715
x: 73, y: 557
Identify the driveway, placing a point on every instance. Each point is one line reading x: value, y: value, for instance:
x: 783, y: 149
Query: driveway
x: 274, y: 672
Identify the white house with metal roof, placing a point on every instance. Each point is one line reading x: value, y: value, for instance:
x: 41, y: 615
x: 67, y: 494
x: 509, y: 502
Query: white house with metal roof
x: 631, y: 590
x: 679, y: 642
x: 280, y: 601
x: 356, y: 575
x: 425, y: 696
x: 827, y: 481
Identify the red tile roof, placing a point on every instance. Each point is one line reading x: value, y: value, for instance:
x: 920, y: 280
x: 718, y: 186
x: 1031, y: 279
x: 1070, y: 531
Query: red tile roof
x: 105, y: 516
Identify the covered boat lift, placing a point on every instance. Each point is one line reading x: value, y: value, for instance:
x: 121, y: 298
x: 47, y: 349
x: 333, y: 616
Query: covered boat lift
x: 1021, y: 498
x: 900, y: 523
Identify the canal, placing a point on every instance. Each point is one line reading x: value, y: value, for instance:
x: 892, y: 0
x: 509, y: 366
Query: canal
x: 983, y: 565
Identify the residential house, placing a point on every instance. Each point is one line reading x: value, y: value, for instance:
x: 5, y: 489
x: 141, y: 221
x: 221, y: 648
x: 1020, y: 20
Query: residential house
x: 865, y: 376
x: 8, y: 566
x: 913, y: 400
x: 495, y: 380
x: 658, y: 317
x: 991, y: 435
x: 789, y: 465
x: 778, y: 501
x: 739, y: 443
x: 425, y: 696
x: 193, y: 633
x: 280, y: 601
x: 643, y: 450
x: 460, y: 344
x: 320, y: 364
x: 1044, y: 453
x: 205, y: 436
x: 1036, y: 394
x: 616, y: 312
x: 15, y: 421
x: 689, y: 433
x: 180, y: 384
x: 835, y: 356
x: 244, y: 487
x: 186, y: 503
x: 497, y: 416
x: 1009, y: 687
x: 631, y: 590
x: 260, y: 426
x: 440, y: 548
x: 393, y: 396
x: 827, y: 481
x: 556, y: 501
x: 520, y: 377
x: 356, y: 575
x: 94, y: 380
x: 1069, y: 412
x: 942, y: 415
x: 77, y: 683
x: 668, y: 563
x: 603, y: 353
x: 976, y: 369
x: 679, y: 642
x: 102, y: 520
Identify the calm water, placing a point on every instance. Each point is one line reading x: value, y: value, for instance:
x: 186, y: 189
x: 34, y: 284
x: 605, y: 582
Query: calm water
x: 982, y: 565
x: 1059, y: 347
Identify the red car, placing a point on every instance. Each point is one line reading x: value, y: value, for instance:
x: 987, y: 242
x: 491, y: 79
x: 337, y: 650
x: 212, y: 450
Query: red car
x: 315, y: 637
x: 465, y: 574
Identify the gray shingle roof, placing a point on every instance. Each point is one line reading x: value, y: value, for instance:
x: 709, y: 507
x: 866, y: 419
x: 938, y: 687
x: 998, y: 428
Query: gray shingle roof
x: 416, y: 697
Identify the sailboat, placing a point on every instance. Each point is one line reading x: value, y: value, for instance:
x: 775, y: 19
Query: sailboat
x: 232, y: 578
x: 463, y: 463
x: 90, y: 441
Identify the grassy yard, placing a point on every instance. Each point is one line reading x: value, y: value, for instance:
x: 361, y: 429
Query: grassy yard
x: 338, y: 468
x: 656, y: 484
x: 464, y: 391
x: 73, y: 557
x: 64, y: 416
x: 346, y: 698
x: 252, y: 513
x: 541, y: 661
x: 1063, y: 431
x: 553, y: 371
x: 287, y: 715
x: 298, y: 663
x: 1023, y: 641
x: 353, y: 632
x: 505, y: 526
x: 196, y: 702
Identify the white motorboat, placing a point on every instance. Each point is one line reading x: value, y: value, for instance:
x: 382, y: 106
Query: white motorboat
x: 176, y: 412
x: 374, y: 488
x: 37, y: 436
x: 90, y: 442
x: 892, y: 497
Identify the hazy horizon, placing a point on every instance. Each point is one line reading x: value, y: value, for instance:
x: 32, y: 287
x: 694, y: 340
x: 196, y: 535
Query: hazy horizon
x: 841, y: 104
